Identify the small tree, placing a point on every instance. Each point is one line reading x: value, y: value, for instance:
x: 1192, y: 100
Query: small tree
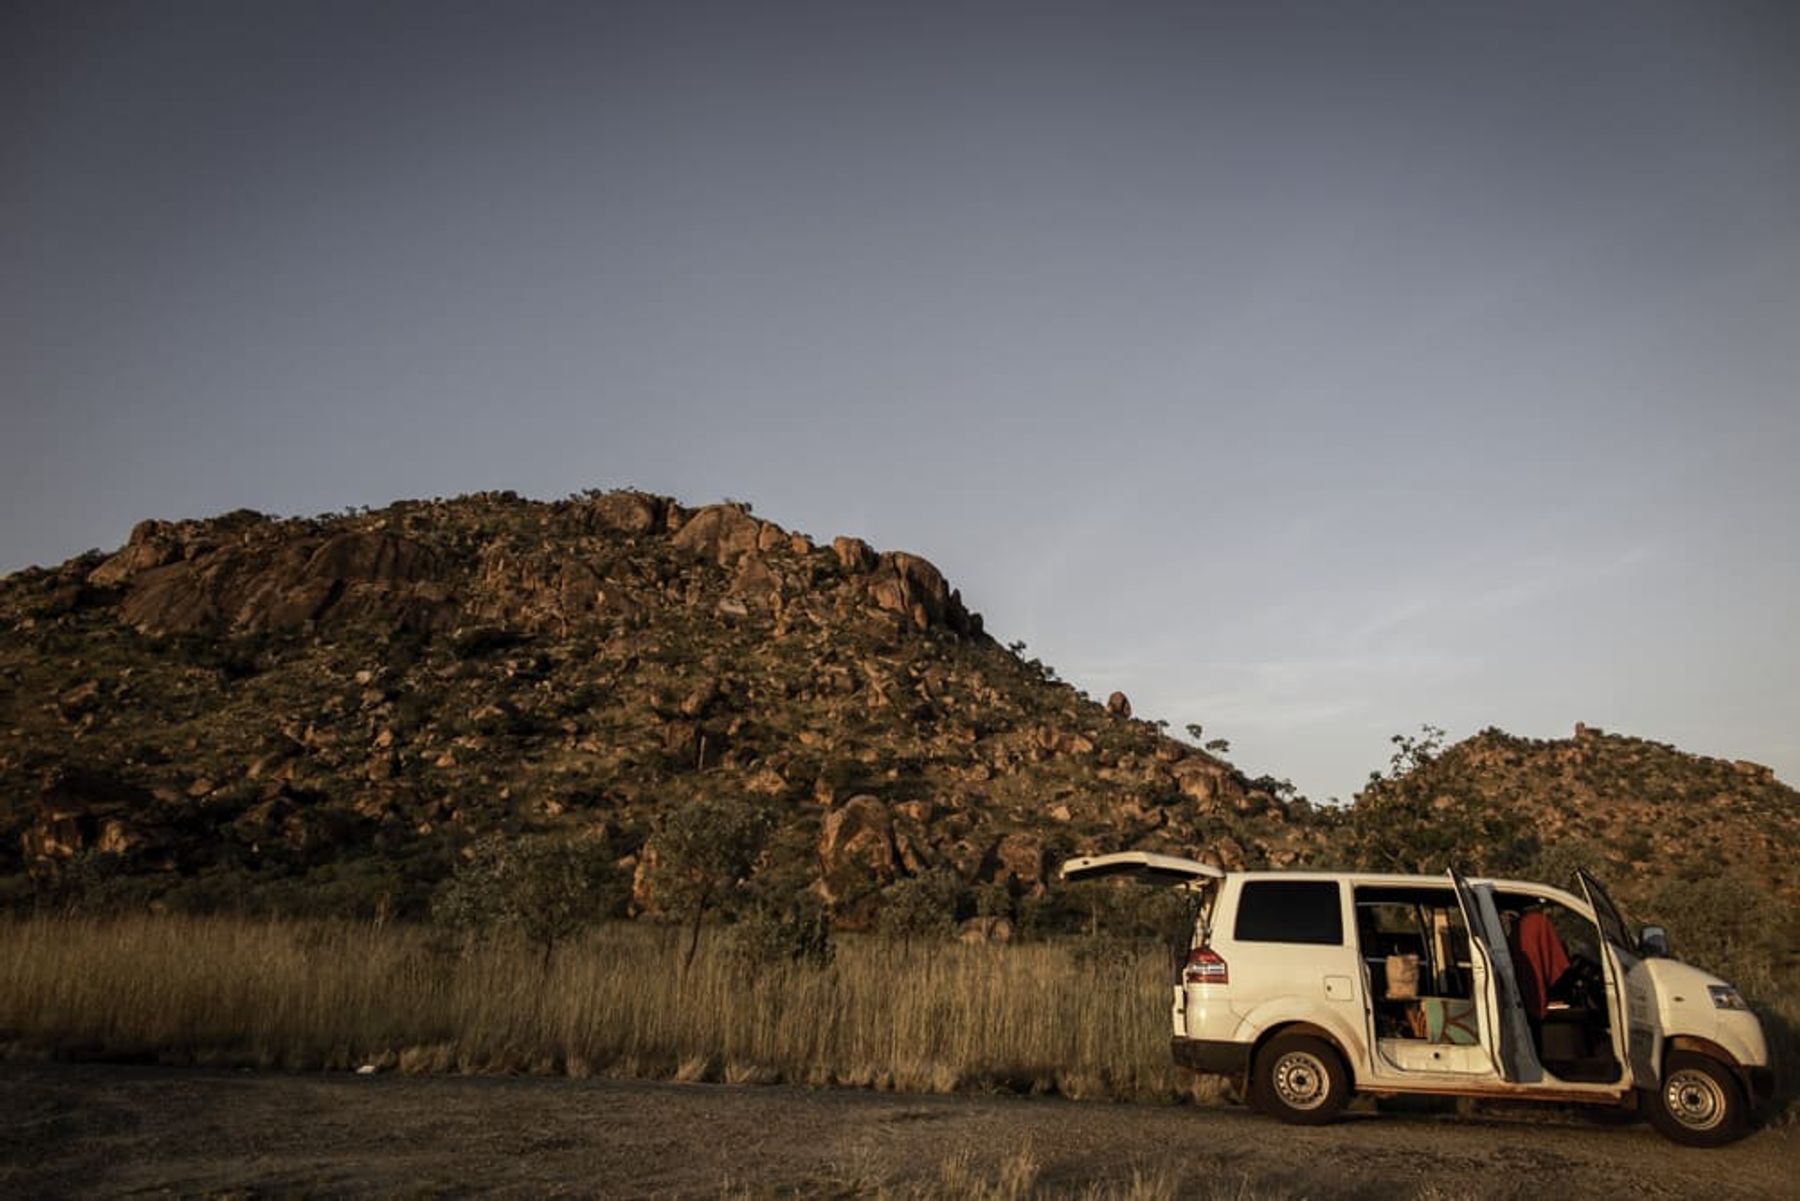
x: 1280, y: 789
x: 1397, y: 824
x: 548, y: 888
x: 798, y: 933
x: 922, y: 906
x: 702, y: 851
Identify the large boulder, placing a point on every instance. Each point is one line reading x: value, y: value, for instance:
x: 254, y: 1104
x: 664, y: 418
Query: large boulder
x: 370, y: 556
x: 1018, y: 859
x: 1053, y: 741
x: 722, y: 533
x: 625, y: 512
x: 270, y: 585
x: 353, y: 575
x: 853, y: 554
x: 913, y: 587
x: 1201, y: 780
x: 856, y: 850
x: 912, y: 837
x: 83, y: 810
x: 152, y: 544
x: 174, y: 598
x: 757, y: 582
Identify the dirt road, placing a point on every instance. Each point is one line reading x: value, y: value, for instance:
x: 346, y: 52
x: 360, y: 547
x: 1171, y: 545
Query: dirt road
x: 108, y: 1130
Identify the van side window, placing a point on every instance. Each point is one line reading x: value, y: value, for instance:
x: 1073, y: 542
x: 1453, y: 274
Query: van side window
x: 1304, y: 911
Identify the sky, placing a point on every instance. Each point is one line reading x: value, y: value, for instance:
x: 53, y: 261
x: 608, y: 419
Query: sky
x: 1311, y: 372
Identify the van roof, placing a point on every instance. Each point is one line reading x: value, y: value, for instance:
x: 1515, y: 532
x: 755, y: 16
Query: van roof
x: 1417, y: 880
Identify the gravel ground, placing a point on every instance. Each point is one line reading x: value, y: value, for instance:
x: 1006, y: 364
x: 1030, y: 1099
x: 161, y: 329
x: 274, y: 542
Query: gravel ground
x: 101, y: 1130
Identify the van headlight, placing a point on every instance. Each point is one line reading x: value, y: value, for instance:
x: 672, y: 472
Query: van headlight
x: 1725, y: 997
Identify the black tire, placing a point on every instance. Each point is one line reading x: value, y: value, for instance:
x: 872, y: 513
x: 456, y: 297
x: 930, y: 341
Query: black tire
x: 1300, y: 1079
x: 1700, y: 1103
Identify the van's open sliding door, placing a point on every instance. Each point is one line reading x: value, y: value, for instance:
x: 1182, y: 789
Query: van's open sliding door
x: 1514, y: 1056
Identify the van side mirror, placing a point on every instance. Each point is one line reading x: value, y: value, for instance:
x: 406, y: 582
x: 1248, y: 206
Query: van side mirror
x: 1653, y: 942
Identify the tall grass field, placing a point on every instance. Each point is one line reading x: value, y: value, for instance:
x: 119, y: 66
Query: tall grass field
x: 1080, y: 1017
x: 937, y: 1017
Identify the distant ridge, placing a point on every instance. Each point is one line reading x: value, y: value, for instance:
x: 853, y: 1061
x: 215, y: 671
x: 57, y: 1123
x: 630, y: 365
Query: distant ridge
x: 1642, y: 810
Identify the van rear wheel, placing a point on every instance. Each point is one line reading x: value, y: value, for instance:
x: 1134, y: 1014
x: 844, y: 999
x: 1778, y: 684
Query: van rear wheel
x: 1700, y: 1102
x: 1300, y: 1079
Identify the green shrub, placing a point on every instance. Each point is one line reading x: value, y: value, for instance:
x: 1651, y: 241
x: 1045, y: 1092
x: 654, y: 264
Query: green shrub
x: 768, y: 934
x: 922, y: 907
x: 548, y: 888
x: 702, y: 853
x: 1729, y: 926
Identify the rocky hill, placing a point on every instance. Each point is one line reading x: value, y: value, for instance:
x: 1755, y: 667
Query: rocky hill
x: 1641, y: 812
x: 323, y: 713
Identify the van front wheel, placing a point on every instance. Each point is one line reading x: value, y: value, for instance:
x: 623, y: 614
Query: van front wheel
x: 1700, y: 1102
x: 1300, y: 1079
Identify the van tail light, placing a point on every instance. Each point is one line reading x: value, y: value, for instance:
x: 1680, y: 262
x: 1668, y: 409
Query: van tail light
x: 1205, y: 966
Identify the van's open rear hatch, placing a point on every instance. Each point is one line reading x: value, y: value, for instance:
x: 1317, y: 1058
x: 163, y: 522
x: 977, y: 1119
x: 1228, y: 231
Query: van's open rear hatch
x: 1145, y: 866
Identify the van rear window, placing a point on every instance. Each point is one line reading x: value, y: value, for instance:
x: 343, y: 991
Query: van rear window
x: 1304, y: 911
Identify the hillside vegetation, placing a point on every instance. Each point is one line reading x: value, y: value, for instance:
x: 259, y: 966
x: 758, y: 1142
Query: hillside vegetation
x: 323, y: 716
x: 326, y: 716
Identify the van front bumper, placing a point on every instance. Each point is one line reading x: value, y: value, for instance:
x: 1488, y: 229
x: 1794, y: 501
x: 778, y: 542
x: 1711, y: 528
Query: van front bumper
x: 1212, y: 1056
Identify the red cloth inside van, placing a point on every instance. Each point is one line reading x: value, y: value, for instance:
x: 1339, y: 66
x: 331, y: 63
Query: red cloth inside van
x: 1538, y: 959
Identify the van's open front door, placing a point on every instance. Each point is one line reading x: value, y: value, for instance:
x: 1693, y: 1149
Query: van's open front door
x: 1514, y: 1056
x: 1628, y: 985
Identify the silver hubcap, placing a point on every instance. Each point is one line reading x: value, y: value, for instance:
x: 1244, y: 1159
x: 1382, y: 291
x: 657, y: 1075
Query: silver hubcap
x: 1694, y: 1099
x: 1301, y: 1080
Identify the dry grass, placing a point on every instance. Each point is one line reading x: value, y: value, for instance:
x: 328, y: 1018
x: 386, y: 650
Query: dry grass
x: 307, y: 995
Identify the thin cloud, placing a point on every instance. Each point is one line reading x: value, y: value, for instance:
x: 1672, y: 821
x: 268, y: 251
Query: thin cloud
x: 1475, y: 593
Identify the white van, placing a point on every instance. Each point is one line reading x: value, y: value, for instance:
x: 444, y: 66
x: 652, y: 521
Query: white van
x: 1304, y: 987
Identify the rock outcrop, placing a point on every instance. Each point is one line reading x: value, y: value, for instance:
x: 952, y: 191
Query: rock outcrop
x: 856, y: 850
x: 95, y: 812
x: 726, y: 534
x: 265, y: 581
x: 259, y: 574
